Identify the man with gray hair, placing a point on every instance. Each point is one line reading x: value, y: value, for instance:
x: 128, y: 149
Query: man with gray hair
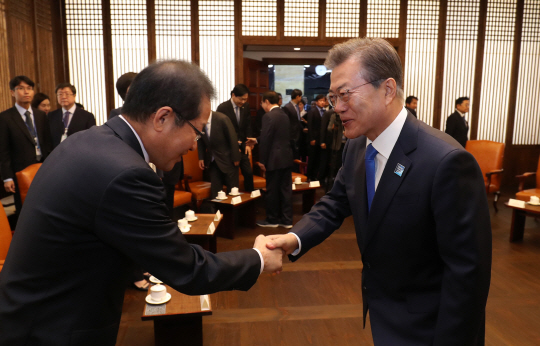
x: 96, y: 206
x: 418, y: 203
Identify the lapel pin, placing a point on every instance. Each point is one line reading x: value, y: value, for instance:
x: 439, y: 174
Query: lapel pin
x: 399, y: 169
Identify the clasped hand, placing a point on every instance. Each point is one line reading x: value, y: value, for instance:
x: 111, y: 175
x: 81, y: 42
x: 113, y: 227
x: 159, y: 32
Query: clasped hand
x: 273, y: 247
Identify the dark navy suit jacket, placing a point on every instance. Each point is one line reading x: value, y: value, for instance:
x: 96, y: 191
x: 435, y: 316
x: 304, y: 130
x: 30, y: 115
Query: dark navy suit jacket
x: 426, y: 243
x: 81, y: 120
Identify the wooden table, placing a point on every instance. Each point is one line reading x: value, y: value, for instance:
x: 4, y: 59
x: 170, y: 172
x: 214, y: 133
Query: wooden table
x: 308, y: 195
x: 231, y: 213
x: 179, y: 321
x: 518, y: 219
x: 197, y: 234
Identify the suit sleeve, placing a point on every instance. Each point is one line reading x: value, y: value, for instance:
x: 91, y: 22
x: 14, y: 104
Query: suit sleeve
x: 463, y: 231
x: 201, y: 147
x: 143, y: 231
x: 324, y: 127
x: 46, y: 138
x: 451, y: 125
x: 248, y: 126
x: 91, y: 120
x: 232, y: 138
x: 6, y: 171
x: 265, y: 139
x: 325, y: 217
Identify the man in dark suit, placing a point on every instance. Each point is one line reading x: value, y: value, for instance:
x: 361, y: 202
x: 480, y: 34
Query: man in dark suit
x: 327, y: 151
x: 456, y: 124
x: 411, y: 103
x: 68, y: 119
x: 219, y: 153
x: 293, y: 112
x: 314, y: 136
x: 237, y: 109
x: 25, y: 137
x: 96, y: 205
x: 122, y: 87
x: 275, y: 155
x: 418, y: 203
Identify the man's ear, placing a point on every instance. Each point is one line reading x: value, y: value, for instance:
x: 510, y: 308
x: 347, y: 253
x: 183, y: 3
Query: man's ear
x: 161, y: 117
x: 390, y: 90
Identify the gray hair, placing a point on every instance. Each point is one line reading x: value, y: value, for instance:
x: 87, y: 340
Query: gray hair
x: 375, y: 56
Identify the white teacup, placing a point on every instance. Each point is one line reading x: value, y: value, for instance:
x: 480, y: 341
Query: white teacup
x: 234, y: 191
x: 183, y: 223
x: 298, y: 180
x: 158, y: 292
x: 190, y: 215
x: 535, y: 200
x: 221, y: 195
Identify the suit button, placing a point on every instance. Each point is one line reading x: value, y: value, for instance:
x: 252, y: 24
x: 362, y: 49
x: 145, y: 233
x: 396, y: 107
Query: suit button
x: 368, y: 265
x: 365, y: 288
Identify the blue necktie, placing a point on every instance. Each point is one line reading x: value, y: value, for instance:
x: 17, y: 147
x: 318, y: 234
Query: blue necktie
x: 370, y: 173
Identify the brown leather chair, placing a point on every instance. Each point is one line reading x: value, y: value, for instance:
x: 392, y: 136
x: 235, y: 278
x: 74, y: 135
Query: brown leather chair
x: 303, y: 168
x: 525, y: 195
x: 5, y: 236
x: 193, y: 179
x: 258, y: 181
x: 24, y: 179
x: 181, y: 197
x: 489, y: 156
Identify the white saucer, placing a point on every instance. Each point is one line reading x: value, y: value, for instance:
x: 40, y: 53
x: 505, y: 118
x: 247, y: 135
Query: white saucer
x: 221, y: 199
x: 238, y: 194
x: 155, y: 280
x: 149, y: 299
x: 300, y: 183
x: 531, y: 203
x: 194, y: 219
x: 185, y: 230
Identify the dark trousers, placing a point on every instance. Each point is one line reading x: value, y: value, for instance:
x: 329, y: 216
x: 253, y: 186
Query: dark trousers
x: 247, y: 172
x: 314, y: 152
x: 279, y: 196
x: 219, y: 178
x: 324, y: 158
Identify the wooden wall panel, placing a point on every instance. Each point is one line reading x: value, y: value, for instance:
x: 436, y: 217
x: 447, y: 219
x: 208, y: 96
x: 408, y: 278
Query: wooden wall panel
x: 22, y: 59
x: 5, y: 98
x: 47, y: 82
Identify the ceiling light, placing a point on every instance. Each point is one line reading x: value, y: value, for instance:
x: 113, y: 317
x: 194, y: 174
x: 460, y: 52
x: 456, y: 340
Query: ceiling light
x: 296, y: 48
x: 307, y: 65
x: 270, y: 66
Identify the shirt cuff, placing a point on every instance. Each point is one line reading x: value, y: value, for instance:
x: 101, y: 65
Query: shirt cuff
x: 262, y: 260
x: 297, y: 251
x: 6, y: 180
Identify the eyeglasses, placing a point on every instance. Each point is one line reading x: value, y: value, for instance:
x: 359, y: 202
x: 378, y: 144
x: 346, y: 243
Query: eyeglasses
x: 199, y: 133
x: 64, y: 94
x: 25, y: 88
x: 344, y: 95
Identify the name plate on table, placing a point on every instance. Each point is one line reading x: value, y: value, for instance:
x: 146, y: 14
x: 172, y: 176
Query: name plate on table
x: 211, y: 228
x: 255, y: 193
x: 155, y: 309
x: 205, y: 302
x: 236, y: 200
x: 516, y: 203
x: 218, y: 216
x: 314, y: 184
x: 294, y: 186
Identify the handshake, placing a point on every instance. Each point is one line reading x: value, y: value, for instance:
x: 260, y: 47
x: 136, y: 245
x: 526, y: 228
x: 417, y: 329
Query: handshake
x: 273, y: 248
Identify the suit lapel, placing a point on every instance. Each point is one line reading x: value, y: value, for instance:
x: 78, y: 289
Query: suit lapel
x: 124, y: 132
x: 20, y: 123
x: 390, y: 181
x: 73, y: 124
x: 360, y: 192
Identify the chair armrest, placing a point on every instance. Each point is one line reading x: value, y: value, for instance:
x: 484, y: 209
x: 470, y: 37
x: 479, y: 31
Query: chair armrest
x: 263, y: 174
x: 187, y: 178
x: 488, y: 176
x: 522, y: 178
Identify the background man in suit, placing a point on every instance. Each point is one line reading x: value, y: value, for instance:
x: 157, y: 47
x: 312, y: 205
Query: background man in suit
x: 25, y: 137
x: 411, y: 103
x: 276, y: 159
x: 122, y: 86
x: 293, y: 112
x: 456, y: 124
x: 219, y: 153
x: 237, y: 109
x: 314, y: 136
x: 419, y: 207
x: 68, y: 119
x: 96, y: 205
x: 326, y: 148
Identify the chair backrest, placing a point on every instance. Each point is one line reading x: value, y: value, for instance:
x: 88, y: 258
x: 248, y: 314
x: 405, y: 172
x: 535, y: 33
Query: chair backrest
x: 489, y: 156
x: 191, y: 166
x: 24, y: 179
x: 5, y: 235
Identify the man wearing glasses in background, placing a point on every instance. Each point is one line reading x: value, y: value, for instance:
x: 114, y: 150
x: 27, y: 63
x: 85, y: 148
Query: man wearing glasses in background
x: 96, y: 206
x: 25, y: 137
x: 418, y: 203
x: 68, y: 119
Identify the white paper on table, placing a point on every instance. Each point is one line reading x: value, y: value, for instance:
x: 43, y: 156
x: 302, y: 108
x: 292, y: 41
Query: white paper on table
x: 218, y: 216
x: 516, y: 203
x: 314, y: 184
x: 205, y: 302
x: 255, y: 193
x: 211, y: 228
x: 236, y: 200
x: 293, y: 186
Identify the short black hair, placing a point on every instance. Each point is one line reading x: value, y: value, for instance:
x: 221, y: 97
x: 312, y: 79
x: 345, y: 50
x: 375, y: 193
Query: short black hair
x: 320, y: 96
x: 295, y: 93
x: 65, y: 85
x: 240, y: 90
x: 17, y: 80
x: 38, y: 98
x: 123, y: 83
x: 174, y: 83
x: 409, y: 99
x: 461, y: 100
x: 279, y: 95
x: 271, y: 96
